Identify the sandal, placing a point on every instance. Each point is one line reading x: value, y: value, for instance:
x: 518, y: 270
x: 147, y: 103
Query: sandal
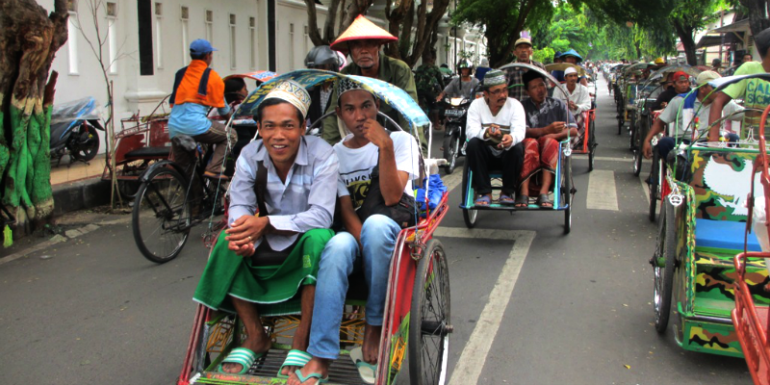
x: 367, y: 371
x: 317, y: 376
x: 522, y: 201
x: 243, y: 356
x: 483, y: 200
x: 294, y: 358
x: 505, y: 199
x: 544, y: 202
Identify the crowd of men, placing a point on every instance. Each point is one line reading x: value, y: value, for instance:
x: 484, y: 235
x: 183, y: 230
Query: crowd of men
x: 307, y: 212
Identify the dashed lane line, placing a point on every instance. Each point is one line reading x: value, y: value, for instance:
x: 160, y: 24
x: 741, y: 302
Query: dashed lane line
x: 474, y: 355
x: 602, y: 193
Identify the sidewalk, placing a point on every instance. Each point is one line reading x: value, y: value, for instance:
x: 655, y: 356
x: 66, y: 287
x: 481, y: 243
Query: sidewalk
x: 78, y: 185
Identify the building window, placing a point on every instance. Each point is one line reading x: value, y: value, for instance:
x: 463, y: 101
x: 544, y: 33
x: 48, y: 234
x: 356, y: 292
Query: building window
x: 306, y: 38
x: 144, y: 24
x: 210, y: 26
x: 291, y: 45
x: 252, y: 43
x: 112, y: 37
x: 233, y: 61
x: 185, y: 32
x: 72, y: 41
x: 159, y: 34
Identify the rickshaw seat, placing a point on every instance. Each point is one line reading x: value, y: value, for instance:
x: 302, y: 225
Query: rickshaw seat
x: 148, y: 152
x: 723, y: 235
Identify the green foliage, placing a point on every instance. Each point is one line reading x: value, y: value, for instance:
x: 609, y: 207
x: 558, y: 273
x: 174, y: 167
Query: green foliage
x: 543, y: 55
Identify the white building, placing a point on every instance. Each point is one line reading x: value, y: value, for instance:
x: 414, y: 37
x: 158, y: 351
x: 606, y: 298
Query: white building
x: 147, y: 41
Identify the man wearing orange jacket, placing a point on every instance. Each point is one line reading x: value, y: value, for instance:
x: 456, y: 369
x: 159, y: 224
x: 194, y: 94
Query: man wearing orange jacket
x: 196, y: 89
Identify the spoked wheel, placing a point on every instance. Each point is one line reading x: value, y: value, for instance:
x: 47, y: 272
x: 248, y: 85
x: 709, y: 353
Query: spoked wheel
x: 161, y: 216
x: 654, y: 185
x: 468, y: 215
x: 664, y: 264
x: 638, y: 156
x: 634, y: 130
x: 591, y: 146
x: 430, y: 318
x: 567, y: 194
x: 451, y: 148
x: 621, y: 120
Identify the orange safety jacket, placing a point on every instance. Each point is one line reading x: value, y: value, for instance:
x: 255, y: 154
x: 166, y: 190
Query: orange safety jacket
x: 197, y: 83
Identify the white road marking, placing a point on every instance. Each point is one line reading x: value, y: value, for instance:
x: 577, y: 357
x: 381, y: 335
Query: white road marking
x: 602, y: 194
x: 474, y: 355
x: 645, y: 188
x: 451, y: 181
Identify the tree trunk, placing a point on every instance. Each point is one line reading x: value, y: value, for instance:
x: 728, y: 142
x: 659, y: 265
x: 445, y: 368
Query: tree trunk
x: 757, y: 20
x: 685, y: 36
x: 28, y: 43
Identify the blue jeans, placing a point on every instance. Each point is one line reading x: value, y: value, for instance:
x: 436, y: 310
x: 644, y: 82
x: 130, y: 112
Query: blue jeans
x: 341, y: 254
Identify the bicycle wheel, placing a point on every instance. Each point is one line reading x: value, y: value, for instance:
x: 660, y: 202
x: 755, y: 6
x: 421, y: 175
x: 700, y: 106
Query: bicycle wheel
x: 430, y: 314
x: 161, y: 216
x: 591, y: 146
x: 664, y: 264
x: 654, y: 185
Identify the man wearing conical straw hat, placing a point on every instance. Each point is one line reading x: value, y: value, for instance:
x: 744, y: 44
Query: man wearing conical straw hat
x: 363, y: 40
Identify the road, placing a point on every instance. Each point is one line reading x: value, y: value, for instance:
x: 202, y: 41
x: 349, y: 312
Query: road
x: 529, y: 304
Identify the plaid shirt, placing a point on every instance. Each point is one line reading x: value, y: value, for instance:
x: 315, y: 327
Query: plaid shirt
x: 515, y: 83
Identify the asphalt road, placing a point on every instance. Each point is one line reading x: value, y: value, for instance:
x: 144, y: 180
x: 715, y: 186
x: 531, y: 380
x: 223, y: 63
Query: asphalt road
x: 542, y: 307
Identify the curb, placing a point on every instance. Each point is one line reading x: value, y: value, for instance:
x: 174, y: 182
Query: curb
x: 80, y: 195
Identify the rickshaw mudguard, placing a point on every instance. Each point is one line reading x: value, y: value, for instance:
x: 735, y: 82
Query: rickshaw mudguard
x: 162, y: 164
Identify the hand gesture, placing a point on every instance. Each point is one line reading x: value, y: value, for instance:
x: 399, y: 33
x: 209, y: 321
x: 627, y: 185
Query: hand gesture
x: 506, y: 142
x: 572, y: 105
x: 556, y: 127
x: 376, y: 134
x: 244, y: 232
x: 495, y: 131
x: 647, y: 150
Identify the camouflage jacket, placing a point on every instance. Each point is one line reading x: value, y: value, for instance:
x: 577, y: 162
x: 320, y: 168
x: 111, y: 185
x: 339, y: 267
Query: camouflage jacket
x: 429, y: 80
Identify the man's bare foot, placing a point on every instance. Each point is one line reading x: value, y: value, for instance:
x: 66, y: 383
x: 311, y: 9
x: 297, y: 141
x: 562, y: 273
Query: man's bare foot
x: 371, y: 348
x: 256, y: 345
x: 315, y: 365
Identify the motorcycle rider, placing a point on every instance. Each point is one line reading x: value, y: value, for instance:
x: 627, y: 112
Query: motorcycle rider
x: 463, y: 86
x: 322, y: 58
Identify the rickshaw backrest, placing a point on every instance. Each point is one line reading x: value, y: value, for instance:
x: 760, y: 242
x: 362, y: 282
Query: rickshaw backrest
x: 720, y: 178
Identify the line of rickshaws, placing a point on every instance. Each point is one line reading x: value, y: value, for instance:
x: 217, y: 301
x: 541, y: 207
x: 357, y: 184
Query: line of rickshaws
x: 414, y: 345
x: 712, y: 201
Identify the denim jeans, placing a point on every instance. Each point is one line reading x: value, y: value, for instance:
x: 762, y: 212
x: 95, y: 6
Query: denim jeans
x: 341, y: 254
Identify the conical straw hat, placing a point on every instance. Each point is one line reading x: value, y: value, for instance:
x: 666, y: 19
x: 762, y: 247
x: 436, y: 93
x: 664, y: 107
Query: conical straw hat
x: 361, y: 29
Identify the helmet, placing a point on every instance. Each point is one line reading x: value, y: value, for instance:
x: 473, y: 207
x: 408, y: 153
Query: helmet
x: 660, y: 61
x: 465, y: 63
x: 322, y: 57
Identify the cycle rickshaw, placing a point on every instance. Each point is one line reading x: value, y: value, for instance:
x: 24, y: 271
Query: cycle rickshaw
x: 750, y: 320
x: 586, y: 144
x: 417, y: 308
x: 701, y: 229
x: 563, y: 190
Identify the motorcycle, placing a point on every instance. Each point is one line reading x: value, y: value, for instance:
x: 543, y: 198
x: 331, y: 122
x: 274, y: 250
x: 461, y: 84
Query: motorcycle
x: 455, y: 113
x: 73, y: 130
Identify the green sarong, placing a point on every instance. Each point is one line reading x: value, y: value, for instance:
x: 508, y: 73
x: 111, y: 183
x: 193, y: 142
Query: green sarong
x: 274, y: 288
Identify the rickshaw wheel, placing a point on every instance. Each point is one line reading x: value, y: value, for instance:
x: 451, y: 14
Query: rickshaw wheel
x: 638, y: 156
x: 634, y: 133
x: 654, y: 186
x: 469, y: 216
x: 567, y: 193
x: 451, y: 147
x: 664, y: 276
x: 621, y: 120
x: 430, y: 318
x: 161, y: 216
x: 591, y: 145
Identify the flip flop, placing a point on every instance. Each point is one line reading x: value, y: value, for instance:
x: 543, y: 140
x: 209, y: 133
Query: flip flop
x: 542, y: 200
x: 522, y: 201
x: 505, y: 200
x: 367, y: 371
x: 243, y: 356
x: 317, y: 376
x: 483, y: 200
x: 294, y: 358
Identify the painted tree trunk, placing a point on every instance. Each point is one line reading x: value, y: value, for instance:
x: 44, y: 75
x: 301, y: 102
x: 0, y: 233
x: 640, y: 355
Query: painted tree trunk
x: 29, y: 40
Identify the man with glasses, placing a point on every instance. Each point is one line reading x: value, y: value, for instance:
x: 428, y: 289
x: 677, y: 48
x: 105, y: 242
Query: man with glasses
x: 495, y: 130
x: 363, y: 40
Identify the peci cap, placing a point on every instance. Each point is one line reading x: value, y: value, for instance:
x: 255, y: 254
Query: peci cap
x: 293, y: 93
x: 570, y: 71
x: 494, y: 78
x: 201, y: 47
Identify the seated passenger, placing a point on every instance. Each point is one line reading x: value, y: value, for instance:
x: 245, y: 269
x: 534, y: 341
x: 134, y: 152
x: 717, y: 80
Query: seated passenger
x: 676, y: 83
x: 692, y: 103
x: 235, y: 91
x: 463, y: 86
x: 579, y: 99
x: 321, y: 58
x: 300, y: 176
x: 495, y: 129
x: 548, y: 122
x: 367, y: 244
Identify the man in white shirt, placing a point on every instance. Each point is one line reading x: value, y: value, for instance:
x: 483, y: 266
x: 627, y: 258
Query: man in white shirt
x: 699, y: 102
x: 495, y: 129
x: 579, y: 100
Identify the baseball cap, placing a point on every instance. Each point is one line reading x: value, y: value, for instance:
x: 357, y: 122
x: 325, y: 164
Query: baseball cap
x: 522, y: 40
x: 201, y: 47
x: 679, y: 74
x: 705, y: 77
